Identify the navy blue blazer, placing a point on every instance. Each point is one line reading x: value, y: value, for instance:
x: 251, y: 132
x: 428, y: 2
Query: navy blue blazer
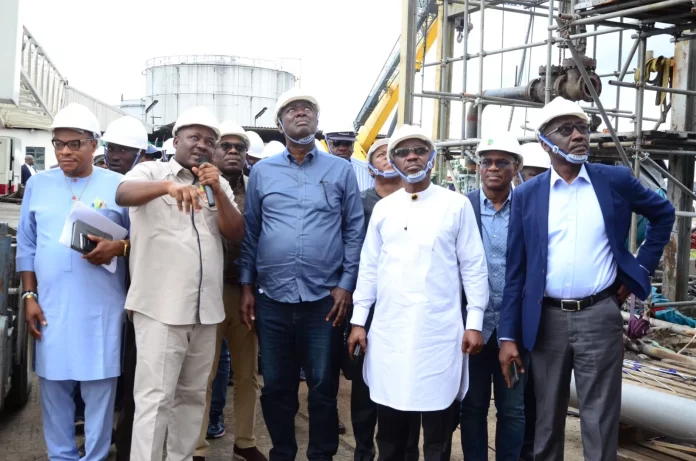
x: 26, y: 173
x: 619, y: 194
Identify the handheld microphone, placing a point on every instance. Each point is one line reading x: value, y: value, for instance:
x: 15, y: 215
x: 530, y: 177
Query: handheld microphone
x: 208, y: 189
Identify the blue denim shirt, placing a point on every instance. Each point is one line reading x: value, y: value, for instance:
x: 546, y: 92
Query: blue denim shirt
x: 494, y: 231
x: 304, y: 227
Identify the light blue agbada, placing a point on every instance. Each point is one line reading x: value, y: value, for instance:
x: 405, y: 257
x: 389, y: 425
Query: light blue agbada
x: 82, y: 303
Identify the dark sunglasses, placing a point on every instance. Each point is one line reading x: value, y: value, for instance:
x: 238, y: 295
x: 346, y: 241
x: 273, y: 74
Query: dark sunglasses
x: 73, y: 144
x: 567, y: 129
x: 342, y: 143
x: 238, y: 146
x: 499, y: 163
x: 402, y: 152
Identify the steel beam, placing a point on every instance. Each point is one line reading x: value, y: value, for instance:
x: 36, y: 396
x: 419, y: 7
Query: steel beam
x: 659, y: 89
x: 624, y: 12
x: 407, y: 62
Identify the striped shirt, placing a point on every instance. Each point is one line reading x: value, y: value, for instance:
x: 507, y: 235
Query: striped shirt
x: 365, y: 181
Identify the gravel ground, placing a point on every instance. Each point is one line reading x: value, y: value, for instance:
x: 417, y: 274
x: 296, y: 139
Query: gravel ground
x: 21, y: 436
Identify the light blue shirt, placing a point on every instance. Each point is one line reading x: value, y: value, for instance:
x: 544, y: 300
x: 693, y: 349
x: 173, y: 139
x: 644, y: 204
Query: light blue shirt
x: 83, y: 304
x: 303, y: 227
x: 365, y: 181
x: 494, y: 231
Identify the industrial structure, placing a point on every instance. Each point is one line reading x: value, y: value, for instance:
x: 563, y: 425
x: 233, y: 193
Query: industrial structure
x: 231, y: 87
x: 658, y: 153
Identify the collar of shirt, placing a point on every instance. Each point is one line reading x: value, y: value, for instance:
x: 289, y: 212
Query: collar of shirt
x: 308, y: 156
x: 422, y: 195
x: 485, y: 203
x: 555, y: 177
x: 176, y: 169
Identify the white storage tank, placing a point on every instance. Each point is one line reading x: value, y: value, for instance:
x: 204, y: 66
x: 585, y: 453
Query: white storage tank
x: 233, y: 88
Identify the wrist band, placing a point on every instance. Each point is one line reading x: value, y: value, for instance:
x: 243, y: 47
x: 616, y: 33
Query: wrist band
x: 30, y: 294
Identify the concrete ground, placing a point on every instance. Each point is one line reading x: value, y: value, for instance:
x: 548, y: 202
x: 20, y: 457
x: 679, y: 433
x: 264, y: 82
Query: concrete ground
x: 21, y: 436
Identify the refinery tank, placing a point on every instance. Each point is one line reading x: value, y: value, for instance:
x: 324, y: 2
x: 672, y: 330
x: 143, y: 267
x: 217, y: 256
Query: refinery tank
x: 231, y: 87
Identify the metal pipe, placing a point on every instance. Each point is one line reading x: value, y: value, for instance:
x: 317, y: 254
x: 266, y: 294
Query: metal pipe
x: 629, y: 58
x: 618, y: 66
x: 465, y: 47
x: 668, y: 30
x: 669, y: 176
x: 633, y: 234
x: 638, y: 409
x: 670, y: 152
x: 480, y: 84
x: 676, y: 303
x: 518, y: 80
x: 684, y: 214
x: 548, y: 89
x: 595, y: 97
x: 659, y: 89
x: 623, y: 12
x: 443, y: 106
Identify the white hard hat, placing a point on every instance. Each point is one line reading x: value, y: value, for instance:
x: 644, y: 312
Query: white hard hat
x: 559, y: 107
x: 168, y: 146
x: 255, y: 144
x: 272, y: 148
x: 535, y: 156
x: 405, y: 132
x: 98, y: 152
x: 197, y: 116
x: 78, y: 117
x: 503, y: 141
x: 126, y: 131
x: 228, y: 128
x: 376, y: 145
x: 292, y: 95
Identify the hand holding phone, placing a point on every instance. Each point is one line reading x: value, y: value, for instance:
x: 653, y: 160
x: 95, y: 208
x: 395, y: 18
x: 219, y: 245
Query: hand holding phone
x: 514, y: 375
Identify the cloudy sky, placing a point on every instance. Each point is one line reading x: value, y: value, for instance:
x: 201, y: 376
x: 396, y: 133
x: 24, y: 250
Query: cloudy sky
x: 101, y: 47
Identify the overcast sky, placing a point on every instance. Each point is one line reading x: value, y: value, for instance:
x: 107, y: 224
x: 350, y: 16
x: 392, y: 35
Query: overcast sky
x: 101, y: 47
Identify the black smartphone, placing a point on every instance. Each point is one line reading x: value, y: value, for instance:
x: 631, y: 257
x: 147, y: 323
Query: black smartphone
x: 514, y: 375
x: 86, y: 244
x: 357, y: 351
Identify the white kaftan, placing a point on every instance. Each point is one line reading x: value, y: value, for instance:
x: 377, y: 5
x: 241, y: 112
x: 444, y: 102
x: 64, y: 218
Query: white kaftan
x: 416, y: 257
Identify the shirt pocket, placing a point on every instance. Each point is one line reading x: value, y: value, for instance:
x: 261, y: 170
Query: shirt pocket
x: 175, y: 219
x: 211, y: 219
x: 326, y: 196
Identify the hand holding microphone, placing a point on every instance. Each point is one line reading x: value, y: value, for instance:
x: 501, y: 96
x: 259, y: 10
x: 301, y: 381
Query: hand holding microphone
x: 208, y: 177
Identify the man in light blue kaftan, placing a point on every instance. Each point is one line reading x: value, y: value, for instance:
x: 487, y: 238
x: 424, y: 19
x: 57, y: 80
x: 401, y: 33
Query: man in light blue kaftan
x: 74, y: 307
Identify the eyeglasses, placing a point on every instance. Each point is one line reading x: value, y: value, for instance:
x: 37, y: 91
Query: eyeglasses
x: 402, y: 152
x: 74, y: 144
x: 238, y: 146
x: 567, y: 129
x: 116, y: 149
x: 342, y: 143
x: 500, y: 163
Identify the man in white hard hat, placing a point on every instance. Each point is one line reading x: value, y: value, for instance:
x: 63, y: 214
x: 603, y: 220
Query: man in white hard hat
x: 566, y: 275
x: 363, y: 411
x: 341, y: 144
x: 254, y: 153
x: 536, y: 161
x: 500, y: 161
x: 98, y: 158
x: 304, y: 229
x: 74, y: 307
x: 168, y: 150
x: 125, y: 141
x: 421, y: 244
x: 181, y: 212
x: 229, y: 157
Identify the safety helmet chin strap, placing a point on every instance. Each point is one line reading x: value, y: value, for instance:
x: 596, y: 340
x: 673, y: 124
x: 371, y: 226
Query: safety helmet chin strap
x: 416, y: 177
x: 309, y: 139
x: 572, y: 158
x: 519, y: 174
x: 384, y: 174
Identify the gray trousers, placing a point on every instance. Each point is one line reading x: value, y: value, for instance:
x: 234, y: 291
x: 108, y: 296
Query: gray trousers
x: 590, y: 344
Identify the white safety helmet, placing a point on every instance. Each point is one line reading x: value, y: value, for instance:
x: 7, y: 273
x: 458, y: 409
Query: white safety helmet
x: 535, y: 156
x: 271, y: 149
x: 197, y: 116
x: 373, y: 148
x: 77, y: 117
x: 168, y: 146
x: 128, y: 132
x: 97, y: 153
x: 228, y: 128
x: 405, y: 132
x: 503, y: 141
x: 292, y: 95
x: 255, y: 144
x: 559, y: 107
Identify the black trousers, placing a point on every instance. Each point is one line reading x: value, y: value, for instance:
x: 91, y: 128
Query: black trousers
x: 124, y: 425
x: 527, y: 453
x: 394, y: 431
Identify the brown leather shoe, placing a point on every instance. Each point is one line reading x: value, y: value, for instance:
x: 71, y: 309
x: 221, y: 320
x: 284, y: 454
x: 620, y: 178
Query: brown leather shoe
x: 248, y: 454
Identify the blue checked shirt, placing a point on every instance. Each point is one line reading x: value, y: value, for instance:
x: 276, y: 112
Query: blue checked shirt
x: 494, y: 230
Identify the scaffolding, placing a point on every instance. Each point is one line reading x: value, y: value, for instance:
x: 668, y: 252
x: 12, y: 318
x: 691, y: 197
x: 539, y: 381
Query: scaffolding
x: 569, y: 24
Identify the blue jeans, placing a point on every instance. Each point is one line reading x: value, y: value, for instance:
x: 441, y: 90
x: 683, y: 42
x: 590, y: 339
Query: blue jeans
x: 293, y: 336
x: 218, y: 398
x: 473, y: 421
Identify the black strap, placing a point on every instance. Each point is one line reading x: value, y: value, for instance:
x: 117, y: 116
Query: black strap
x: 580, y: 304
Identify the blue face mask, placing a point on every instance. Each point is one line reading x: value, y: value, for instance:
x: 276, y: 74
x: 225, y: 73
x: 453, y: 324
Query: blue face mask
x: 572, y: 158
x: 416, y: 177
x: 384, y: 174
x: 309, y: 139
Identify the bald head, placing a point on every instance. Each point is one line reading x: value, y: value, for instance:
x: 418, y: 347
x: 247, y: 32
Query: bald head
x: 29, y: 160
